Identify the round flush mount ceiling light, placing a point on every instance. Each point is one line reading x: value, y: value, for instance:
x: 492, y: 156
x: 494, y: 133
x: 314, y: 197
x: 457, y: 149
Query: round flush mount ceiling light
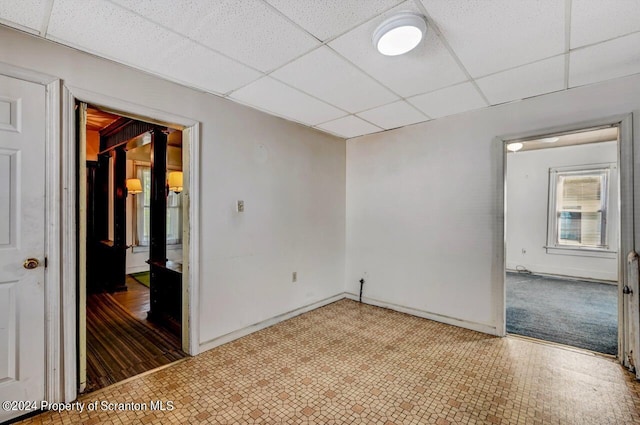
x: 515, y: 147
x: 550, y: 140
x: 399, y: 34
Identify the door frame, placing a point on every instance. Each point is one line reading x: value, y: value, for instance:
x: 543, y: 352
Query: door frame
x: 53, y: 378
x: 191, y: 234
x: 629, y: 190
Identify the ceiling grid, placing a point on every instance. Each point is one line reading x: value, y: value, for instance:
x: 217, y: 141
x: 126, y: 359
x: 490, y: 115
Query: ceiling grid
x: 314, y: 62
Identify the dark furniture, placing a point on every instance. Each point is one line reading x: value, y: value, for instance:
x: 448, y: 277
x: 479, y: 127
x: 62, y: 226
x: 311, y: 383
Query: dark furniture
x: 165, y: 303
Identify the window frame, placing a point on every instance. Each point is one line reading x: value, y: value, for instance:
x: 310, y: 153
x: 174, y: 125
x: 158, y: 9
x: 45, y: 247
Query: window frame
x: 137, y: 246
x: 553, y: 246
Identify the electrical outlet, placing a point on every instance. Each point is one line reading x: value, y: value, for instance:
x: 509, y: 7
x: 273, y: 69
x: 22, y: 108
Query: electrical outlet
x: 294, y: 277
x: 240, y: 206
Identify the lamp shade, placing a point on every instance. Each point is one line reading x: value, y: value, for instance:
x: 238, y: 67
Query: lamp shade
x: 134, y: 186
x: 175, y: 181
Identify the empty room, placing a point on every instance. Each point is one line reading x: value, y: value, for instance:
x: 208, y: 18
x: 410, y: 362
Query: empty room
x: 281, y: 211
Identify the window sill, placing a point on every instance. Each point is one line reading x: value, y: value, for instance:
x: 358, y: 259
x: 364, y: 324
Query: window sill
x: 581, y: 252
x: 144, y: 248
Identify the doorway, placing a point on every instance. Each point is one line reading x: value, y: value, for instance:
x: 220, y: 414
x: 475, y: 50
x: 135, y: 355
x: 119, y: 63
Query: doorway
x: 130, y: 295
x: 563, y: 238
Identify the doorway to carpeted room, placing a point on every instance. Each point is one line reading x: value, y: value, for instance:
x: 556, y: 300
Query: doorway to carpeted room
x: 563, y: 238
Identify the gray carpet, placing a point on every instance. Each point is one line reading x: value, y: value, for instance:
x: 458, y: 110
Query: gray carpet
x: 577, y: 313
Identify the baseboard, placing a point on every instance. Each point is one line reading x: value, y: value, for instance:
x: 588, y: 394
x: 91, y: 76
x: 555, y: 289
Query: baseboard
x: 231, y: 336
x: 208, y: 345
x: 561, y: 276
x: 137, y: 269
x: 474, y: 326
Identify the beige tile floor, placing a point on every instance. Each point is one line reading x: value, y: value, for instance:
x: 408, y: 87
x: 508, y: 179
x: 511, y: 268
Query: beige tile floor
x: 348, y: 363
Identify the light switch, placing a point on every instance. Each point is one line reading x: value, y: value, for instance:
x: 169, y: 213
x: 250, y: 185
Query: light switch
x: 240, y: 206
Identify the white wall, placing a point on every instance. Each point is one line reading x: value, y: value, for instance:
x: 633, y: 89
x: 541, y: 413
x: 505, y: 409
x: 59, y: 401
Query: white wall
x: 294, y: 195
x: 423, y: 216
x: 527, y: 201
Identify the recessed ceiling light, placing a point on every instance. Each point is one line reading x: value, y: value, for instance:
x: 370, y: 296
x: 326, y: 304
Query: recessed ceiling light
x: 515, y: 147
x: 399, y: 34
x: 550, y: 139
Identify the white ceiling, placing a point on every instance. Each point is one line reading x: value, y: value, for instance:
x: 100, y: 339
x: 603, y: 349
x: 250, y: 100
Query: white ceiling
x: 313, y: 62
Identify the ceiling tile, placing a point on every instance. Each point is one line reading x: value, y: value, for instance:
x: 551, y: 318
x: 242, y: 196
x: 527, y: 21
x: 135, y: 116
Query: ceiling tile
x: 393, y: 115
x: 428, y: 67
x: 192, y: 13
x: 595, y: 21
x: 493, y: 35
x: 329, y: 77
x: 328, y: 18
x: 449, y: 101
x: 528, y: 80
x: 277, y: 98
x: 349, y: 126
x: 108, y: 31
x: 25, y: 13
x: 249, y: 30
x: 612, y: 59
x: 194, y: 65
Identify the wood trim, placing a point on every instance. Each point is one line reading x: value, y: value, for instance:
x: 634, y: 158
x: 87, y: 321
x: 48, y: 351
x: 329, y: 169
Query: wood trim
x: 500, y: 213
x: 81, y: 202
x: 124, y: 108
x: 119, y: 132
x: 191, y: 241
x: 158, y: 201
x: 116, y: 126
x: 69, y: 322
x: 54, y: 390
x: 628, y: 338
x: 68, y: 229
x: 29, y: 75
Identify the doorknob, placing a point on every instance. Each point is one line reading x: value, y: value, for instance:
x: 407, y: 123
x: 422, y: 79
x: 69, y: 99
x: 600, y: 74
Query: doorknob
x: 30, y: 263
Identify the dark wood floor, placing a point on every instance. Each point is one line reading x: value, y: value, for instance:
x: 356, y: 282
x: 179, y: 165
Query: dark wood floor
x: 135, y: 299
x: 121, y: 342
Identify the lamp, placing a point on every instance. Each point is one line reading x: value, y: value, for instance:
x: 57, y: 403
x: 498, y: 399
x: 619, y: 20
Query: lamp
x: 175, y: 181
x: 134, y: 186
x: 515, y: 147
x: 399, y: 34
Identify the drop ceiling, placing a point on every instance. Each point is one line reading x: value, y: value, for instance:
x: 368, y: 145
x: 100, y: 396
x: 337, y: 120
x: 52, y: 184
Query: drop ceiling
x: 313, y: 62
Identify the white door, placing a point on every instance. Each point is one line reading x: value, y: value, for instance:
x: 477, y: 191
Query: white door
x: 629, y: 271
x: 22, y: 221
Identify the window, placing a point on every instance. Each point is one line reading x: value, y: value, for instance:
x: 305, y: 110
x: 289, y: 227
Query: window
x: 143, y: 208
x: 578, y: 203
x: 174, y: 218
